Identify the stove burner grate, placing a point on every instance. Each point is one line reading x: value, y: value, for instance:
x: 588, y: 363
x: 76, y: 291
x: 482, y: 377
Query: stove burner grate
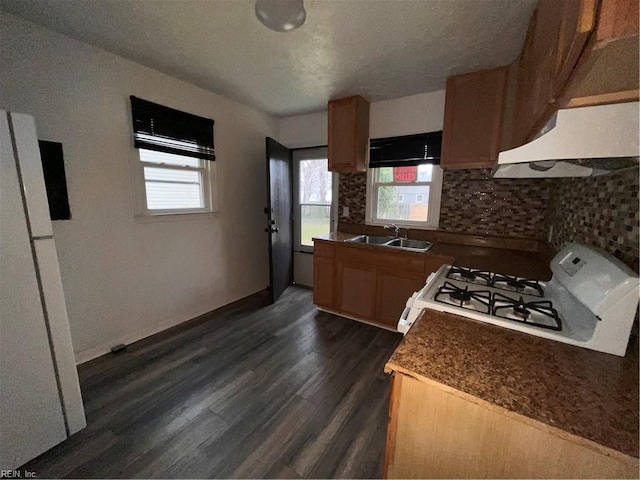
x: 476, y: 300
x: 521, y: 285
x: 469, y: 275
x: 461, y: 295
x: 526, y: 312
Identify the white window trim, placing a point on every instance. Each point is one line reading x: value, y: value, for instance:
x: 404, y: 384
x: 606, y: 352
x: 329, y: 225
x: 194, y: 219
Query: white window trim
x: 310, y: 154
x: 435, y: 192
x: 143, y: 214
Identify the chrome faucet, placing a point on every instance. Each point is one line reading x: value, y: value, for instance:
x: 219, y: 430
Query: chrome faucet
x: 394, y: 228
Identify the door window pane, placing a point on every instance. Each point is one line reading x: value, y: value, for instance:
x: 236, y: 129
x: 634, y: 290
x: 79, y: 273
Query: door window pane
x: 315, y: 182
x: 315, y: 199
x: 315, y: 220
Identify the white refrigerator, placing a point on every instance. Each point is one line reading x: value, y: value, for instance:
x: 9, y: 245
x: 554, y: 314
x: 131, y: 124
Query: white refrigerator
x: 40, y: 399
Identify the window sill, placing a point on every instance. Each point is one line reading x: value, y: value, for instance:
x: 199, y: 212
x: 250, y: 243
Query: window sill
x: 174, y: 217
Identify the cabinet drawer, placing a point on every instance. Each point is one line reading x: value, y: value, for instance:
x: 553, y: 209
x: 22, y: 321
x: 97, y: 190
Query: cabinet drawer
x: 323, y: 249
x: 387, y: 257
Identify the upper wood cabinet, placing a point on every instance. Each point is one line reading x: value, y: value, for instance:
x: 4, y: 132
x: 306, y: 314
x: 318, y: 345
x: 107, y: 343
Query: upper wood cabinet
x: 348, y: 134
x: 473, y: 119
x: 607, y: 70
x: 576, y: 53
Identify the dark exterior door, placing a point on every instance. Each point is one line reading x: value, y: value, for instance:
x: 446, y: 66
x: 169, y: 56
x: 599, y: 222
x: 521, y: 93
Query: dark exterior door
x: 279, y: 218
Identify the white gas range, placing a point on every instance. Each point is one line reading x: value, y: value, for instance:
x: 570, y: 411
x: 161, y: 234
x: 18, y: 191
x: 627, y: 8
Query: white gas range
x: 591, y: 300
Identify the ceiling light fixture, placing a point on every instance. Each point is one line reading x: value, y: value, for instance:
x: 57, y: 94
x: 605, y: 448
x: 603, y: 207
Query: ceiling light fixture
x: 281, y: 15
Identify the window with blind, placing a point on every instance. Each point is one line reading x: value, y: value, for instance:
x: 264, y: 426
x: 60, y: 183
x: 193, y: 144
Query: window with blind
x: 404, y: 180
x: 175, y: 159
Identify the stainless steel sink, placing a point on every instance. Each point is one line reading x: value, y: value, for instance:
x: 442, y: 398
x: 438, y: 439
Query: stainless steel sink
x: 372, y: 239
x: 404, y: 243
x: 410, y: 244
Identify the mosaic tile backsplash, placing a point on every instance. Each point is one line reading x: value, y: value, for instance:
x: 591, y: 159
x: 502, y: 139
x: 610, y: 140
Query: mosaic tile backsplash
x: 599, y: 211
x: 472, y: 202
x: 352, y: 193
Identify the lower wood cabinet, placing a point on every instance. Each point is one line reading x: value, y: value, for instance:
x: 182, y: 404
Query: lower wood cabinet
x: 370, y: 284
x: 394, y: 288
x: 437, y: 432
x: 323, y: 275
x: 357, y: 283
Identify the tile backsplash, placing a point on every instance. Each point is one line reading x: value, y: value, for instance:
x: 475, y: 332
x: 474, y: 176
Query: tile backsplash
x: 598, y: 211
x: 352, y: 193
x: 473, y: 202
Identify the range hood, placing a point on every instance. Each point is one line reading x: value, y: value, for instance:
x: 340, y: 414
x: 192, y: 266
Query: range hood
x: 578, y: 142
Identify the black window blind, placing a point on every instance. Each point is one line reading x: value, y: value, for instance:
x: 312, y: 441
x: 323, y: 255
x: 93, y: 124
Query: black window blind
x: 407, y: 150
x: 164, y: 129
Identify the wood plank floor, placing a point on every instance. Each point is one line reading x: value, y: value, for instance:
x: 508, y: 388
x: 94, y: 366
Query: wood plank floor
x: 249, y: 391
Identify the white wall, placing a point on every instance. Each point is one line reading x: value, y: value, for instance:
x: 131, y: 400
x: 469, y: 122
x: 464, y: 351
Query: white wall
x: 388, y: 118
x: 125, y: 279
x: 407, y: 115
x: 299, y: 131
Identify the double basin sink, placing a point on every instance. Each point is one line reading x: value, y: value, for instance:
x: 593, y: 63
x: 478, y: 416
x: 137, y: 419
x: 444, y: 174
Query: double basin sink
x: 403, y: 243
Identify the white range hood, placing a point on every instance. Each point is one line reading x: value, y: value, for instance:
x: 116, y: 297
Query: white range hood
x: 577, y: 142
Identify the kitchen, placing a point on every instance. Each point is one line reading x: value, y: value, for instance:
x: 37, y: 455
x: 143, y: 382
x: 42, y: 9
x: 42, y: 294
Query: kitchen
x: 231, y: 268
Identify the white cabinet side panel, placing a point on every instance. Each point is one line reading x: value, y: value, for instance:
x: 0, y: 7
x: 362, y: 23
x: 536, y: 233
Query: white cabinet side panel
x: 60, y: 333
x: 31, y: 419
x: 24, y: 129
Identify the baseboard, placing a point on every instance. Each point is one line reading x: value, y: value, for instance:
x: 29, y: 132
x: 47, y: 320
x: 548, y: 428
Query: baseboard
x: 373, y: 324
x: 95, y: 352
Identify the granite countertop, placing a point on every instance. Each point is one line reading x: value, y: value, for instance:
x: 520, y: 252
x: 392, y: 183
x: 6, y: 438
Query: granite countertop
x: 590, y: 394
x: 529, y: 264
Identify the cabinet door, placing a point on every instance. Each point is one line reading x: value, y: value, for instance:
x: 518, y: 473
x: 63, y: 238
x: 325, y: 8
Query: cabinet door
x: 357, y: 289
x: 473, y: 119
x: 607, y: 70
x: 618, y: 19
x: 348, y: 133
x: 323, y: 282
x: 556, y: 38
x: 437, y: 432
x: 523, y: 119
x: 393, y: 290
x: 578, y: 21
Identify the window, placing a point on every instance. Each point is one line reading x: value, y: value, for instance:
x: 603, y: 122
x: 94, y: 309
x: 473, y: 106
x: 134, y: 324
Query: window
x: 313, y: 196
x: 174, y: 183
x: 404, y: 181
x: 174, y: 171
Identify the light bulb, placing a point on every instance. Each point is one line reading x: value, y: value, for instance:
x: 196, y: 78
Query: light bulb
x: 281, y: 15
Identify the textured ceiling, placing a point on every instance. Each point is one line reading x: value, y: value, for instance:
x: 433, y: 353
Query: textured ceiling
x: 380, y: 49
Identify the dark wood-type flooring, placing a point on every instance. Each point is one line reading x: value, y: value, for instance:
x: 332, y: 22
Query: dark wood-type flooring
x: 248, y: 391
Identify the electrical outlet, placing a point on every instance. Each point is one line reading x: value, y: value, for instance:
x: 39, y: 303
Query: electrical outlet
x: 345, y: 211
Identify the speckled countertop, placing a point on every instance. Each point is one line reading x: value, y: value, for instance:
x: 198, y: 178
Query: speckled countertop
x: 590, y: 394
x: 503, y: 260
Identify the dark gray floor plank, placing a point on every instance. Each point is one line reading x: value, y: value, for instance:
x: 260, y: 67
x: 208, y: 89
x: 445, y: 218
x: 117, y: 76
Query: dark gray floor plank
x: 249, y: 391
